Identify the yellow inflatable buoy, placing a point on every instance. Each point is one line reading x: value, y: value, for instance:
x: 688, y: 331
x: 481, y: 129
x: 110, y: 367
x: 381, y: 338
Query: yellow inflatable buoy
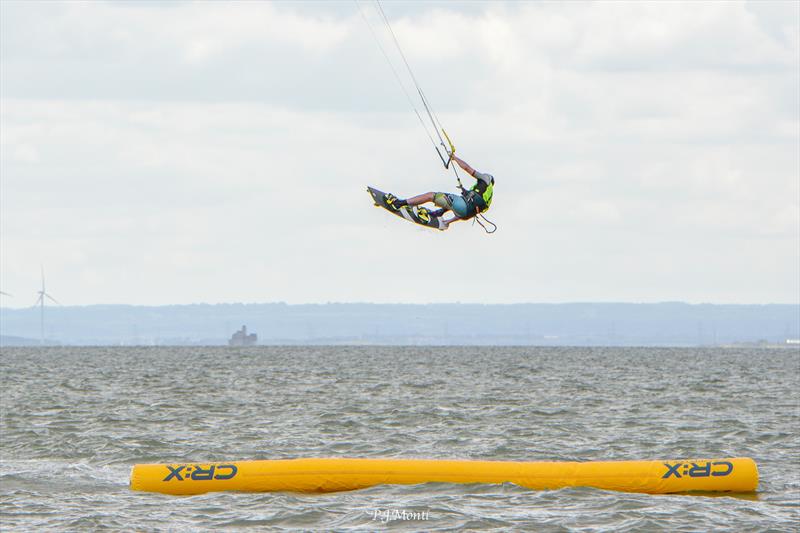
x: 330, y: 475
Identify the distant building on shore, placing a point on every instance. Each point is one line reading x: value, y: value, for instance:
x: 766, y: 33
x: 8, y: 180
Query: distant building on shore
x: 241, y: 338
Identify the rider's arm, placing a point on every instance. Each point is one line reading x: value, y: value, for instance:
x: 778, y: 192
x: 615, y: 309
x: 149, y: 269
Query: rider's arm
x: 463, y: 164
x: 451, y: 220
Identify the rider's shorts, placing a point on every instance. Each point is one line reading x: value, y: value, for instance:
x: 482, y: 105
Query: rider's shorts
x: 453, y: 202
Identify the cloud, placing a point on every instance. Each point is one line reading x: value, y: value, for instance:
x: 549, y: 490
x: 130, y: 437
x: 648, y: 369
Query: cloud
x: 182, y: 152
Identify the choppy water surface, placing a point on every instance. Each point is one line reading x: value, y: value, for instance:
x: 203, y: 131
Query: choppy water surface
x: 74, y: 420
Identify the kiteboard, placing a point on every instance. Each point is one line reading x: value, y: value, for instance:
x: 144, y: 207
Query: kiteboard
x: 408, y: 212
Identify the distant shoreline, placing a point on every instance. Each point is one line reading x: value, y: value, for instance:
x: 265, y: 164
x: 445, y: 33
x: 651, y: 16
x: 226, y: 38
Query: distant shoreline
x: 587, y: 324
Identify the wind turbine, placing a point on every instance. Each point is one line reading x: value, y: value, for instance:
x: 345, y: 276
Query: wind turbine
x: 40, y: 302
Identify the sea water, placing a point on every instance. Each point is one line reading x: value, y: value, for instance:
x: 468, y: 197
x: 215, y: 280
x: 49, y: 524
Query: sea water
x: 74, y: 421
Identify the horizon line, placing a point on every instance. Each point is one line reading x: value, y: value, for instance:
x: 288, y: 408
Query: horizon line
x: 409, y: 304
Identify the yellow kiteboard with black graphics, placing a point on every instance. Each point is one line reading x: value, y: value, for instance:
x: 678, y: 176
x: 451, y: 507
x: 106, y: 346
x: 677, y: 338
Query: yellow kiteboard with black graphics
x: 738, y: 475
x: 417, y: 215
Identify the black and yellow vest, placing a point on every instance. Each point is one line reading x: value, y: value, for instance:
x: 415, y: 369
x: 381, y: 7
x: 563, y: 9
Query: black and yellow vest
x: 477, y: 201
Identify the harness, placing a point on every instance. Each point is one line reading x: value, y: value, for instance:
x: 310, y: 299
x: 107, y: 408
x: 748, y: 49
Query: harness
x: 474, y: 198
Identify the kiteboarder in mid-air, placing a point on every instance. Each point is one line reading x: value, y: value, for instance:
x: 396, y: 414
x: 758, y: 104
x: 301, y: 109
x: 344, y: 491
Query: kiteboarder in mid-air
x: 468, y: 204
x: 472, y: 202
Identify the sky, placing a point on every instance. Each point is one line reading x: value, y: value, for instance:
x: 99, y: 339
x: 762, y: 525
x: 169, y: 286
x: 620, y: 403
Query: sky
x: 184, y: 152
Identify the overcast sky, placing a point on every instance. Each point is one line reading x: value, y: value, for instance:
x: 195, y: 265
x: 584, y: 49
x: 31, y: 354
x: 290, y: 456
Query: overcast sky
x: 180, y: 152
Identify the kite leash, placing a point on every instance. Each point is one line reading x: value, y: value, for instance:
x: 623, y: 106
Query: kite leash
x: 487, y: 230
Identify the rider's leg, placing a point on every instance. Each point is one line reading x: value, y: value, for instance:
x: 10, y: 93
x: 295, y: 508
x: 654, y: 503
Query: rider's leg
x: 420, y: 199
